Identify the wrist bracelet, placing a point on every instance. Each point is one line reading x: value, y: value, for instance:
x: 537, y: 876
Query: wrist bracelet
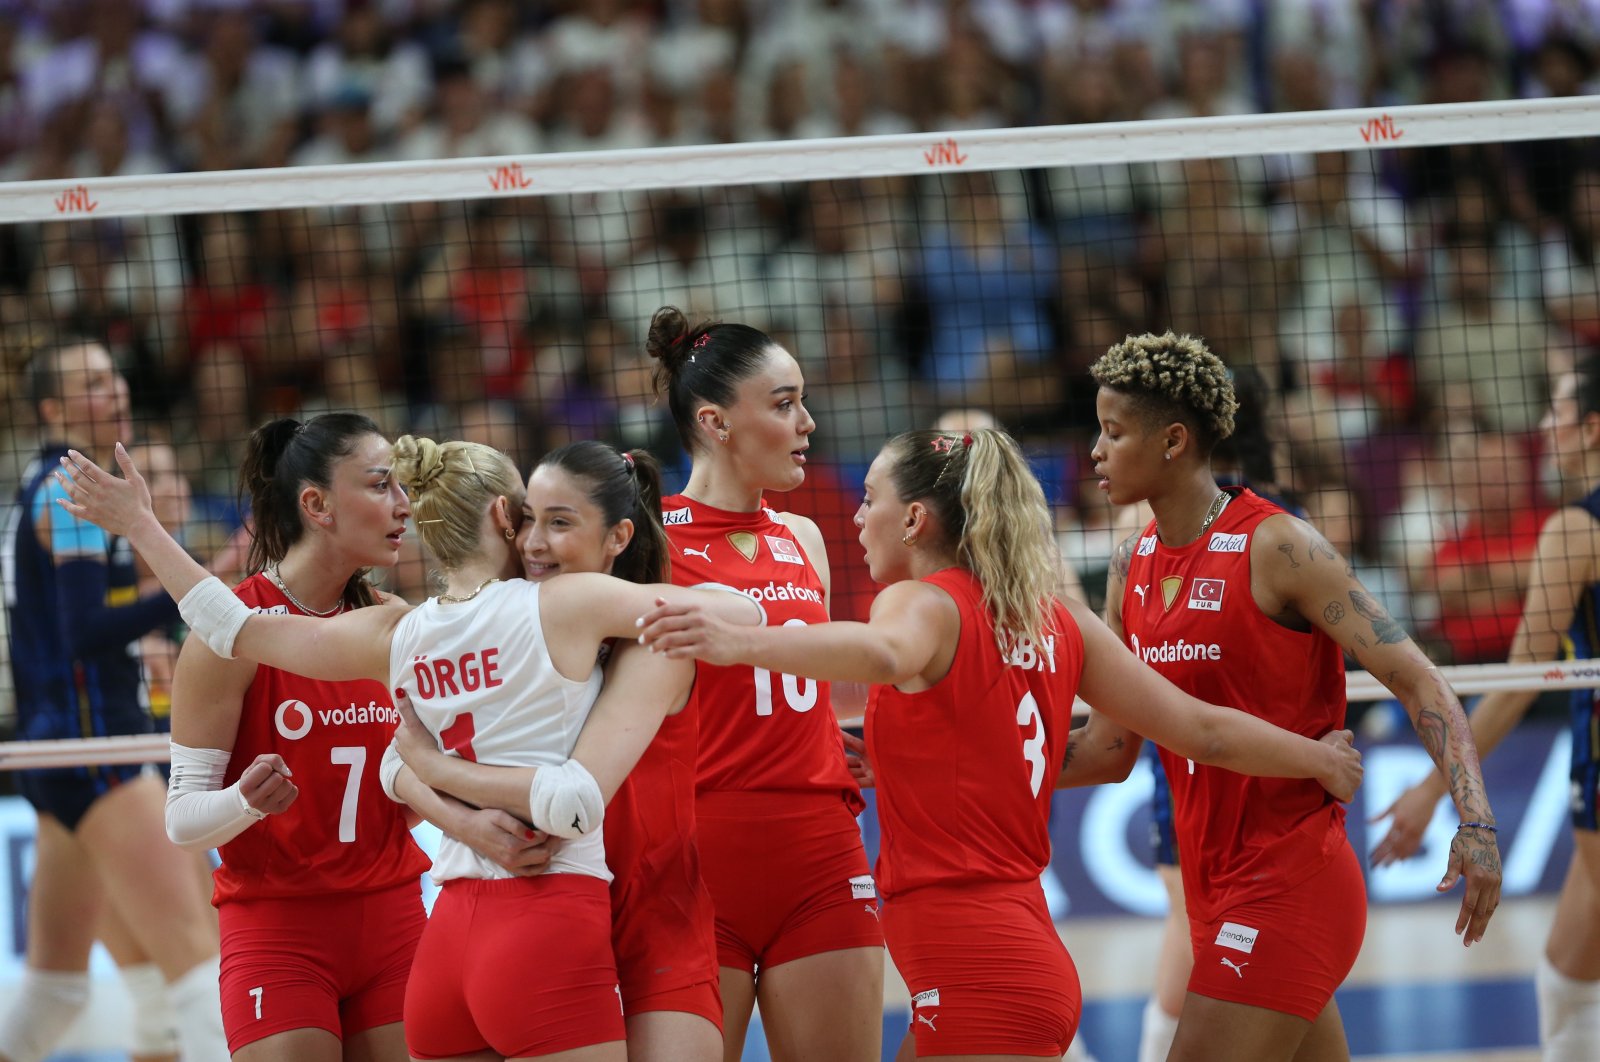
x: 1491, y: 827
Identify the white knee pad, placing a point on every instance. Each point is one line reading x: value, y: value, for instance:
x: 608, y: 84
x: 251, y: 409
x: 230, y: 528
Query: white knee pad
x: 1569, y: 1016
x: 1156, y: 1032
x: 45, y: 1007
x: 197, y: 1004
x: 155, y: 1024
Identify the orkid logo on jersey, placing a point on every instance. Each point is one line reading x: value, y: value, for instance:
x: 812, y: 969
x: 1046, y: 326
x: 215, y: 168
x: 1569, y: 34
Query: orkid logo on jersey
x: 293, y: 718
x: 676, y: 517
x: 1147, y: 545
x: 1206, y: 595
x: 1222, y: 542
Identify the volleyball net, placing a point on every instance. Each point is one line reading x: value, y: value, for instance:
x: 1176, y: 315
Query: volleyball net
x: 1397, y: 293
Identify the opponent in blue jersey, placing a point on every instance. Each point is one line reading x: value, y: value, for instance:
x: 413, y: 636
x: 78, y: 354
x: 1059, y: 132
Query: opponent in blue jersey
x: 74, y: 607
x: 1560, y: 616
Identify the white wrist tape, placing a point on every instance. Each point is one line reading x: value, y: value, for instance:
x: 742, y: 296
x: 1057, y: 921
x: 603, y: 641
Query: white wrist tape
x: 389, y: 770
x: 200, y: 813
x: 214, y: 613
x: 760, y: 608
x: 565, y: 801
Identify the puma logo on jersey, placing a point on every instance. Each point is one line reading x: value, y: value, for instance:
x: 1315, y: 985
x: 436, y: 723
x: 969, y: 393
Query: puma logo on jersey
x: 704, y: 554
x: 1138, y: 589
x: 927, y: 1019
x: 1238, y: 969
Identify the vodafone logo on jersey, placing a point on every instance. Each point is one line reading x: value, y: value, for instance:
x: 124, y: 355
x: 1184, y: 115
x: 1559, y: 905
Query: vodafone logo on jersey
x: 294, y: 718
x: 1175, y: 652
x: 1206, y: 594
x: 774, y: 591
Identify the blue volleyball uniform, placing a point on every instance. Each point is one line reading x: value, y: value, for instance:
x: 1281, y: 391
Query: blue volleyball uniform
x: 1583, y: 642
x: 75, y: 619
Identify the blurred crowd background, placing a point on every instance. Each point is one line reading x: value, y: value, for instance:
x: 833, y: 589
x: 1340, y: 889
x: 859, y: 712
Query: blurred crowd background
x: 1398, y: 316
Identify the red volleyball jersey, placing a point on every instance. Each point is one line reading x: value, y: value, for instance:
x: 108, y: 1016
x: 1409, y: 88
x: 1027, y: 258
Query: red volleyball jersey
x: 1190, y: 614
x: 342, y: 834
x: 758, y: 730
x: 966, y: 769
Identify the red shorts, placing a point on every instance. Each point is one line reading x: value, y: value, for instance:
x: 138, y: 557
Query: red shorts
x: 987, y: 971
x: 788, y: 876
x: 1286, y: 952
x: 517, y: 966
x: 337, y: 962
x: 663, y: 933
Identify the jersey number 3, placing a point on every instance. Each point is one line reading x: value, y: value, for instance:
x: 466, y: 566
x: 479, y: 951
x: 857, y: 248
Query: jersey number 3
x: 1032, y: 747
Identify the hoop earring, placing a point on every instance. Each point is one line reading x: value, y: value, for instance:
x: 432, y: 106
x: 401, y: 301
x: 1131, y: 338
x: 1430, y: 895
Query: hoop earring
x: 907, y: 540
x: 510, y: 534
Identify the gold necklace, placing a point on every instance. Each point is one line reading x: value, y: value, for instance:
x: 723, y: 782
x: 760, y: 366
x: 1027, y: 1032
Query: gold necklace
x: 451, y: 599
x: 277, y: 577
x: 1215, y: 511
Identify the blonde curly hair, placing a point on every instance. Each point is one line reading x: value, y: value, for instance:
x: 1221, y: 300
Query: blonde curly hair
x: 1174, y: 376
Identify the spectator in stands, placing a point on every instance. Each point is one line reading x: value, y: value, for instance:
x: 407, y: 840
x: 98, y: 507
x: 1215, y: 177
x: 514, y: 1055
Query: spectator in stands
x: 986, y: 275
x: 1480, y: 573
x: 1491, y: 350
x: 364, y: 59
x: 463, y: 122
x: 1571, y: 259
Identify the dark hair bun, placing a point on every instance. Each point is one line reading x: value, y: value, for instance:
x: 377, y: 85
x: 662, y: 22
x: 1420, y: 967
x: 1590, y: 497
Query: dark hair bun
x: 668, y: 339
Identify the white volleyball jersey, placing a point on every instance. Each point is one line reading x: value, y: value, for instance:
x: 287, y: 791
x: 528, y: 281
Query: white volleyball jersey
x: 480, y: 677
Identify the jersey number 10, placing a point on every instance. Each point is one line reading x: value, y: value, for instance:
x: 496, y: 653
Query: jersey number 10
x: 800, y: 694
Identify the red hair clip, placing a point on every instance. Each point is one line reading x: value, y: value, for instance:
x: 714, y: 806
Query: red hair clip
x: 628, y: 460
x: 966, y: 440
x: 705, y: 337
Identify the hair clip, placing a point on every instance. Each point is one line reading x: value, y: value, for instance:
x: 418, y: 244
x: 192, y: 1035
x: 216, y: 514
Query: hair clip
x: 942, y: 444
x: 627, y: 459
x: 966, y: 440
x: 705, y: 337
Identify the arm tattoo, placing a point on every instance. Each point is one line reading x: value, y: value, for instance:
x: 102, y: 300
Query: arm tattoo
x: 1333, y: 613
x: 1434, y: 731
x: 1116, y: 746
x: 1287, y: 549
x: 1383, y: 625
x: 1319, y: 545
x: 1072, y: 749
x: 1123, y: 559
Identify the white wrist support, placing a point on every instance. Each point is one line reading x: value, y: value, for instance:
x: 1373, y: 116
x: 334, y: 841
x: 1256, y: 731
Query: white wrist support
x: 760, y: 608
x: 389, y: 770
x: 214, y: 613
x: 565, y: 800
x: 200, y: 813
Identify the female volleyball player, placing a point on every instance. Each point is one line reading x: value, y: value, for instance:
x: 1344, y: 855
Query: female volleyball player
x: 796, y: 923
x: 975, y: 663
x: 1236, y: 601
x: 1563, y: 603
x: 501, y: 671
x: 318, y: 892
x: 591, y: 509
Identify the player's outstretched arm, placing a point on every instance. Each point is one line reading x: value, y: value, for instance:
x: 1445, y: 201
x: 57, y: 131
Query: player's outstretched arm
x: 1563, y: 564
x: 1299, y: 572
x: 351, y: 646
x: 1136, y: 696
x: 1102, y: 750
x: 912, y: 626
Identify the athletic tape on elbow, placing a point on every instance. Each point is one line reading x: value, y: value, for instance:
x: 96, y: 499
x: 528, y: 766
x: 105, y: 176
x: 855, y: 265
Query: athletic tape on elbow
x: 214, y: 613
x: 565, y: 801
